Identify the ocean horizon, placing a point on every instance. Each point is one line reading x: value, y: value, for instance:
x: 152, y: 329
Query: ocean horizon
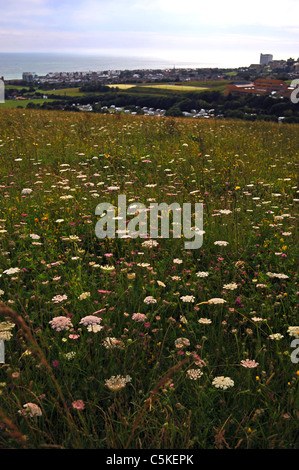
x: 13, y: 64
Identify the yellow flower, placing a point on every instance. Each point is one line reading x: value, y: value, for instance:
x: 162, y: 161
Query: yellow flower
x: 237, y: 187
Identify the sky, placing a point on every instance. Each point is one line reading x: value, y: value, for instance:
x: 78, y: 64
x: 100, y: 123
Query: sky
x: 227, y: 33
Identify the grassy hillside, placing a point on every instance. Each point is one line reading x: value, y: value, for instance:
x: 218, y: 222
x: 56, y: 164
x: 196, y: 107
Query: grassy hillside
x: 115, y: 343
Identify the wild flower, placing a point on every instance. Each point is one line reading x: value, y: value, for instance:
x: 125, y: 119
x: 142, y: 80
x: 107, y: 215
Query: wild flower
x: 78, y: 405
x: 150, y: 300
x: 223, y: 382
x: 205, y: 321
x: 249, y: 364
x: 70, y: 355
x: 59, y: 298
x: 231, y: 286
x: 194, y: 374
x: 139, y: 317
x: 181, y: 343
x: 90, y: 320
x: 11, y: 271
x: 149, y: 243
x: 202, y: 274
x: 275, y: 336
x: 34, y: 236
x: 278, y: 275
x: 177, y: 261
x: 216, y: 300
x: 107, y: 268
x: 293, y: 331
x: 26, y: 191
x: 111, y: 343
x: 94, y: 328
x: 84, y: 296
x: 61, y: 323
x: 187, y: 298
x: 221, y: 243
x: 116, y: 383
x: 31, y: 410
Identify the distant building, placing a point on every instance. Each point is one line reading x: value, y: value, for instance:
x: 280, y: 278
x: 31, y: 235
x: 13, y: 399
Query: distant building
x: 261, y: 86
x: 28, y: 76
x: 265, y: 59
x: 277, y: 64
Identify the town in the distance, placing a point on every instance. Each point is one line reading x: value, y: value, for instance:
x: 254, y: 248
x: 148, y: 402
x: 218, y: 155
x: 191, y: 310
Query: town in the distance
x: 258, y: 91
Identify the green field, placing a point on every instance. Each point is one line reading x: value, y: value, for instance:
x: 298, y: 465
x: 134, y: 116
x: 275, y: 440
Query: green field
x: 10, y: 104
x: 144, y: 342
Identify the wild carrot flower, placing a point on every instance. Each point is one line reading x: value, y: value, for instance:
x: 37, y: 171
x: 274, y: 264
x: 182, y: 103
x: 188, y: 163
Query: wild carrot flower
x: 181, y: 342
x: 11, y: 271
x: 231, y: 286
x: 205, y: 321
x: 223, y: 382
x: 194, y: 374
x: 187, y: 298
x: 116, y: 383
x: 26, y: 191
x: 150, y: 300
x: 293, y: 331
x: 202, y: 274
x: 216, y: 300
x: 90, y: 320
x: 78, y: 405
x: 61, y: 323
x: 84, y: 295
x: 275, y: 336
x: 59, y: 298
x: 139, y: 317
x: 249, y: 364
x: 31, y: 410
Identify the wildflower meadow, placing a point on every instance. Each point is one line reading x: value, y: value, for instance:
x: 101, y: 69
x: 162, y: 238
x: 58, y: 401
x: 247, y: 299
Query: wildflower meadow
x: 142, y: 343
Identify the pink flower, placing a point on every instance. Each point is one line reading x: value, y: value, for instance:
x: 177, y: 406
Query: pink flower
x: 90, y: 320
x: 78, y: 405
x: 139, y: 317
x: 249, y: 364
x: 61, y: 323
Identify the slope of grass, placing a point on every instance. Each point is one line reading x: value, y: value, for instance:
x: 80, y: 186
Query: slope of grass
x: 155, y: 320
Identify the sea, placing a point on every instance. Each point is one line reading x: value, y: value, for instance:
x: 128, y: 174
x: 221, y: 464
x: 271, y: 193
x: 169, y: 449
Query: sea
x: 12, y: 65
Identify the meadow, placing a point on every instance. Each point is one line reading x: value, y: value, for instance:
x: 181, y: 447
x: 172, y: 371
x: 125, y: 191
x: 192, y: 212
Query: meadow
x: 133, y: 343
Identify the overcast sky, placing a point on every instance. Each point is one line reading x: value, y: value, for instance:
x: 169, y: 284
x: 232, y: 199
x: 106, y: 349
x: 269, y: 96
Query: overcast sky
x: 220, y: 32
